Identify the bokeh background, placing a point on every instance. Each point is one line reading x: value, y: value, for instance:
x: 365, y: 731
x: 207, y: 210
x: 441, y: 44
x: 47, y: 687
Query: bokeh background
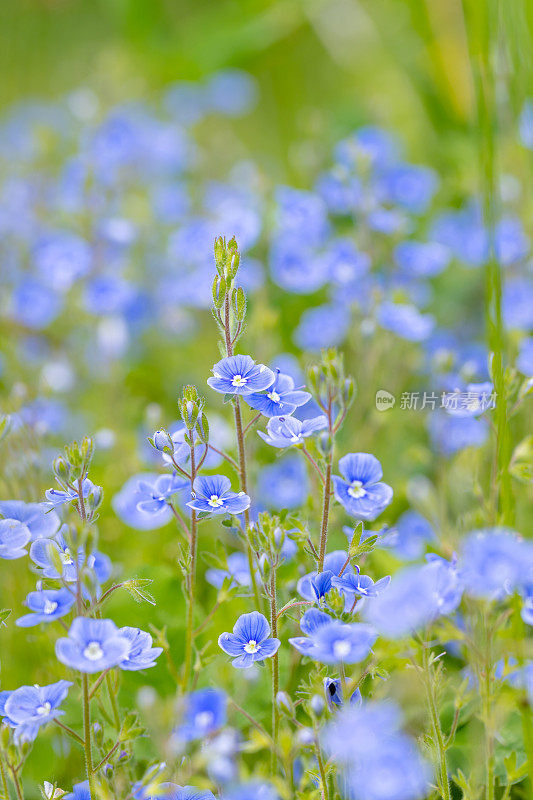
x: 323, y: 68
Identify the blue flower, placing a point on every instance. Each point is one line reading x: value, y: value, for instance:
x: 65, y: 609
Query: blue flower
x: 232, y: 92
x: 238, y: 572
x: 524, y: 362
x: 280, y: 398
x: 323, y: 326
x: 56, y: 497
x: 301, y: 214
x: 495, y: 562
x: 42, y: 553
x: 333, y: 692
x: 361, y: 492
x: 61, y: 258
x: 378, y: 760
x: 422, y: 259
x: 40, y: 522
x: 204, y: 714
x: 93, y: 645
x: 410, y: 186
x: 286, y: 431
x: 294, y: 265
x: 406, y: 321
x: 240, y: 375
x: 284, y: 484
x: 517, y: 304
x: 34, y: 304
x: 312, y: 620
x: 410, y: 534
x: 152, y: 497
x: 249, y: 641
x: 345, y: 263
x: 28, y: 708
x: 141, y: 654
x: 251, y: 791
x: 362, y: 585
x: 450, y: 434
x: 46, y: 605
x: 125, y: 504
x: 321, y: 584
x: 80, y: 791
x: 333, y: 563
x: 333, y: 642
x: 14, y: 536
x: 212, y: 495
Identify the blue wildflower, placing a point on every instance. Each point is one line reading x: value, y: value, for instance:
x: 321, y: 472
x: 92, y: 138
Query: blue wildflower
x: 284, y: 484
x: 42, y: 552
x: 362, y: 585
x: 251, y: 791
x: 240, y: 375
x: 80, y: 791
x: 321, y: 584
x: 334, y: 642
x: 495, y: 562
x: 34, y: 304
x: 212, y: 495
x: 405, y: 320
x: 249, y: 641
x: 204, y: 714
x: 56, y: 497
x: 301, y: 214
x: 125, y: 503
x: 360, y: 490
x: 141, y: 654
x: 28, y: 708
x: 279, y: 399
x: 333, y: 562
x: 238, y: 572
x: 409, y: 186
x: 287, y: 431
x: 410, y: 534
x: 312, y: 620
x: 295, y: 266
x: 517, y: 304
x: 62, y: 258
x: 524, y: 362
x: 14, y: 536
x: 153, y: 497
x: 46, y: 605
x: 40, y: 522
x: 333, y: 692
x: 451, y: 433
x: 422, y: 259
x: 93, y: 645
x: 323, y: 326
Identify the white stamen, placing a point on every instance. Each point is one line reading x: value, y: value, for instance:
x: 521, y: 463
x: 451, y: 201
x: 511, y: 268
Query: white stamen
x: 341, y: 649
x: 65, y: 556
x: 251, y: 647
x: 274, y: 396
x: 49, y: 606
x: 203, y: 719
x: 238, y: 380
x: 44, y: 709
x: 215, y: 501
x: 93, y: 651
x: 356, y: 489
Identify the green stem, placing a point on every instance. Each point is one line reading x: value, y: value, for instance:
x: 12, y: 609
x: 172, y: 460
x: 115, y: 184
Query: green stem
x: 87, y: 734
x: 487, y: 702
x: 193, y: 549
x: 325, y: 514
x: 319, y: 758
x: 429, y: 680
x: 113, y: 701
x: 16, y: 783
x: 4, y: 779
x: 275, y: 667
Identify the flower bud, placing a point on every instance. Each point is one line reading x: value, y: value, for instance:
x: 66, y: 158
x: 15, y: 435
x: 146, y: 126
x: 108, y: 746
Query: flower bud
x: 162, y: 441
x: 202, y: 428
x: 284, y: 703
x: 317, y: 705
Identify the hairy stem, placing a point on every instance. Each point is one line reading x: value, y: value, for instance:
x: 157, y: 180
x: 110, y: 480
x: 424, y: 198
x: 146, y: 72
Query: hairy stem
x: 275, y: 667
x: 193, y: 547
x: 87, y: 734
x: 5, y: 790
x: 325, y: 514
x: 435, y: 724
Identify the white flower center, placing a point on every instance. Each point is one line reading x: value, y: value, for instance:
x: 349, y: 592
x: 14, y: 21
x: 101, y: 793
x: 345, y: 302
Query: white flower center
x: 356, y: 489
x: 93, y: 651
x: 341, y: 648
x: 45, y: 709
x: 65, y: 556
x: 251, y: 647
x: 295, y: 438
x: 215, y: 501
x: 274, y: 396
x: 238, y: 380
x: 203, y: 719
x: 49, y: 606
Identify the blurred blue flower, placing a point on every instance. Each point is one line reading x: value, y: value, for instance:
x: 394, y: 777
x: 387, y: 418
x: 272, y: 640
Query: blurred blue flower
x: 14, y: 536
x: 107, y: 294
x: 80, y: 791
x: 232, y: 92
x: 360, y: 490
x: 333, y: 642
x: 295, y: 266
x: 409, y: 186
x: 46, y: 553
x: 495, y: 562
x: 524, y: 361
x: 405, y: 320
x: 125, y: 504
x: 153, y: 497
x: 284, y: 484
x: 333, y: 692
x: 46, y: 605
x: 363, y: 585
x: 62, y: 258
x: 287, y: 431
x: 40, y: 522
x: 240, y: 375
x: 422, y: 259
x: 410, y: 534
x: 56, y: 497
x: 526, y: 125
x: 301, y: 214
x: 249, y: 641
x: 450, y: 434
x: 511, y: 244
x: 28, y: 708
x: 251, y: 791
x: 203, y: 715
x: 323, y: 326
x: 93, y: 645
x: 517, y: 304
x: 238, y: 571
x: 212, y: 495
x: 344, y: 262
x: 280, y: 398
x: 33, y: 304
x: 367, y: 146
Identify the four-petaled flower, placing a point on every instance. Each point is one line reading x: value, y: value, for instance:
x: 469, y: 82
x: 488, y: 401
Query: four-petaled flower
x: 35, y: 516
x: 240, y: 375
x: 204, y: 713
x: 93, y: 645
x: 362, y: 585
x: 286, y: 431
x: 141, y: 654
x: 331, y: 641
x: 152, y: 497
x: 360, y: 490
x: 46, y: 606
x: 14, y: 536
x: 57, y: 497
x: 249, y: 641
x: 279, y: 399
x: 29, y: 707
x: 212, y: 495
